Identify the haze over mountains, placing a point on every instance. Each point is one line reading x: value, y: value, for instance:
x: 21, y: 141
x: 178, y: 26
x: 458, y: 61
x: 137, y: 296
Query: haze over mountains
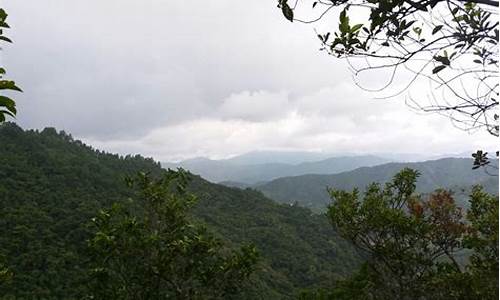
x: 449, y: 173
x: 302, y: 177
x: 240, y: 170
x: 261, y: 166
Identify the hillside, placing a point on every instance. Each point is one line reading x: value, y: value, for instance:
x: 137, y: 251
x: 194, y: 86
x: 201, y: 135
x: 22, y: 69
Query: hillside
x: 310, y: 190
x: 240, y: 171
x: 52, y: 185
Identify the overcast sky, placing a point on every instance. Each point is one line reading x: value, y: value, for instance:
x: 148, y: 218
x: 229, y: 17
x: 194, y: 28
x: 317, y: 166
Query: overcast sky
x: 180, y: 79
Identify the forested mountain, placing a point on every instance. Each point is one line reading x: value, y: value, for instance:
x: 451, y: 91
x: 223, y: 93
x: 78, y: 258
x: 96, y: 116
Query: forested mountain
x: 240, y: 171
x: 52, y: 185
x: 449, y: 173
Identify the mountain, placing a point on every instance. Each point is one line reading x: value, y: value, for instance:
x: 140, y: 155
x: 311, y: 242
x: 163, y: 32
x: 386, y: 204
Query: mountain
x: 281, y: 157
x: 236, y: 171
x: 52, y: 185
x: 310, y: 190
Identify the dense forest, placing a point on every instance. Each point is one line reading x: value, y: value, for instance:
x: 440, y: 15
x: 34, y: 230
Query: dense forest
x: 53, y: 185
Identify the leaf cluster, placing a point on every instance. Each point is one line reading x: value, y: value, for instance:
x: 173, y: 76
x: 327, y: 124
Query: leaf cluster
x: 7, y: 105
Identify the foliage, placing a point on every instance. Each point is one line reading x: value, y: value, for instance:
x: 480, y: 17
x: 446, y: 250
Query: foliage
x: 5, y: 273
x: 481, y: 160
x: 52, y: 185
x: 7, y: 105
x: 483, y: 240
x: 411, y: 244
x: 158, y: 252
x: 451, y: 45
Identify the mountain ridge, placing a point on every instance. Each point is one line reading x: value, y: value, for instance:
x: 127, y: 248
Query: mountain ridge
x: 225, y: 170
x: 310, y: 189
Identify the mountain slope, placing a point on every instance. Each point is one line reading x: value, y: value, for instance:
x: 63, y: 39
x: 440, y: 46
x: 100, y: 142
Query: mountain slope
x: 236, y: 171
x: 52, y: 185
x: 310, y: 190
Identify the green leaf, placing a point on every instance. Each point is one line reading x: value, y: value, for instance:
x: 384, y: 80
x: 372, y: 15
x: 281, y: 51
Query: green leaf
x: 287, y: 11
x: 4, y: 38
x: 356, y: 27
x: 344, y: 22
x: 9, y: 85
x: 438, y: 69
x: 442, y: 59
x: 7, y: 102
x: 437, y: 29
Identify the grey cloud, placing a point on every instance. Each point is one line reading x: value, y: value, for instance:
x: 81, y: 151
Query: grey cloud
x: 176, y: 79
x: 121, y: 68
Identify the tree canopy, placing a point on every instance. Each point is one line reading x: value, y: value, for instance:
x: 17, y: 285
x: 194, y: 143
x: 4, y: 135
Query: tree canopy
x: 417, y: 247
x: 152, y: 249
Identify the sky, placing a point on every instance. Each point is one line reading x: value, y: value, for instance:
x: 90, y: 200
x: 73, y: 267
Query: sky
x: 180, y: 79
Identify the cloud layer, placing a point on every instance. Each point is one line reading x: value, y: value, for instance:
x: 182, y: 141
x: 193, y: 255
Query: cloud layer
x: 174, y: 79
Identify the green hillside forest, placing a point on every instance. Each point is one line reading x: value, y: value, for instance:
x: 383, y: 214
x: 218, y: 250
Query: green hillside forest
x: 52, y: 186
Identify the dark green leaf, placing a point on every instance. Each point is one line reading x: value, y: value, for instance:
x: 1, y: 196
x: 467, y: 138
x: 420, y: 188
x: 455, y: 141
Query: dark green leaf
x: 7, y: 102
x: 438, y: 69
x: 287, y: 11
x: 4, y: 38
x: 436, y: 29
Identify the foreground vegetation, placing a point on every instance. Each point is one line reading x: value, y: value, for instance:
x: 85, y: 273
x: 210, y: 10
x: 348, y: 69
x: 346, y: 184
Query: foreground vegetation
x: 411, y: 245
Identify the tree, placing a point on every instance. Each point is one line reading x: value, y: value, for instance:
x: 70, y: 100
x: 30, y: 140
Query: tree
x: 7, y: 105
x: 413, y: 246
x: 451, y: 45
x: 151, y: 249
x: 483, y: 240
x: 5, y: 273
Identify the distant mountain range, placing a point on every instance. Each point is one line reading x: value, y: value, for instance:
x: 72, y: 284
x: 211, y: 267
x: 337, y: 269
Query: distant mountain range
x: 262, y: 167
x: 310, y: 190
